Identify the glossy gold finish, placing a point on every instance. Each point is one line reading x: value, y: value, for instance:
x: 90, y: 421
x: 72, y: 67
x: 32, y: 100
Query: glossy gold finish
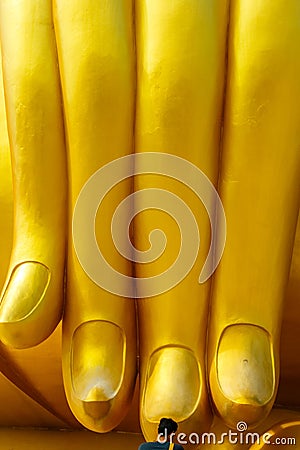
x: 35, y: 385
x: 23, y: 410
x: 99, y: 331
x: 150, y: 76
x: 31, y: 300
x: 259, y: 186
x: 175, y: 91
x: 6, y: 195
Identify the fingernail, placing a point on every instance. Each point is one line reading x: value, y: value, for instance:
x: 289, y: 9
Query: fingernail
x: 24, y: 292
x: 245, y: 373
x: 97, y: 365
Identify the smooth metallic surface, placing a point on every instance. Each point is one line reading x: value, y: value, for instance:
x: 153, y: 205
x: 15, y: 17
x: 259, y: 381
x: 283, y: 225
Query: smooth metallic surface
x: 98, y: 85
x: 179, y: 107
x: 35, y: 128
x: 153, y: 76
x: 259, y: 187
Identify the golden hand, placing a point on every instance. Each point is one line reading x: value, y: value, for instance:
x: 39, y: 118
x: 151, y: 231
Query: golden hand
x: 179, y: 89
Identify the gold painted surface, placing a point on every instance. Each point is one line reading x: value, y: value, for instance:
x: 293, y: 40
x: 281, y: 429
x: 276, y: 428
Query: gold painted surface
x: 98, y: 83
x: 259, y: 187
x: 171, y: 105
x: 6, y: 194
x: 35, y: 129
x: 18, y: 409
x: 38, y: 371
x: 179, y: 102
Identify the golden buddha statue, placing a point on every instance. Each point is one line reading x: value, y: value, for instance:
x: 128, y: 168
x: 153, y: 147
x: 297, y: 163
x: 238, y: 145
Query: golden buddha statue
x: 152, y: 102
